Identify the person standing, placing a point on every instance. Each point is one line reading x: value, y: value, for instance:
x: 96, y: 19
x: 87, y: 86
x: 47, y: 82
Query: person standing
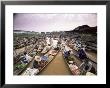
x: 86, y: 66
x: 81, y: 53
x: 67, y: 54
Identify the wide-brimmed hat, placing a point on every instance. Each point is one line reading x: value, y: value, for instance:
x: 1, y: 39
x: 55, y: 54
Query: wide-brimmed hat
x: 37, y: 58
x: 70, y: 62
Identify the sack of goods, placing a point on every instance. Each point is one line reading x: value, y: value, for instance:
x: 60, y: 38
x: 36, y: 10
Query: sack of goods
x: 44, y: 50
x: 53, y: 52
x: 31, y: 72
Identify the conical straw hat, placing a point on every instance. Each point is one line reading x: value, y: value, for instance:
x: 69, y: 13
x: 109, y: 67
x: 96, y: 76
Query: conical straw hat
x: 37, y: 58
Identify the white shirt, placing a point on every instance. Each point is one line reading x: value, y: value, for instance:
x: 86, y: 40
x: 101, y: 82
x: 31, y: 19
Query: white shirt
x: 28, y: 58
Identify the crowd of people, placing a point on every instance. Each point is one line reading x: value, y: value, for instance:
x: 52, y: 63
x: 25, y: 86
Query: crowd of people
x: 86, y: 65
x: 39, y: 62
x: 28, y: 52
x: 39, y: 56
x: 66, y: 45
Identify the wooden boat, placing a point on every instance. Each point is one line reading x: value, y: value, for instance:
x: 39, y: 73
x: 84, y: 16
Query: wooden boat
x: 20, y: 67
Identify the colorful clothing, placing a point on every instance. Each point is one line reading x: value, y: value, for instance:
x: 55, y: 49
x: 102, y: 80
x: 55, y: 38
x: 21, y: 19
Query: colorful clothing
x: 44, y: 57
x: 82, y: 54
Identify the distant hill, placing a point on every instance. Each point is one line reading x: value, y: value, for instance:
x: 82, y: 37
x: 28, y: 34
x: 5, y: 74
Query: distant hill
x: 85, y: 29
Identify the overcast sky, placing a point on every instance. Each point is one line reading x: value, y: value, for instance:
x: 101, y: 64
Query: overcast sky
x: 52, y: 22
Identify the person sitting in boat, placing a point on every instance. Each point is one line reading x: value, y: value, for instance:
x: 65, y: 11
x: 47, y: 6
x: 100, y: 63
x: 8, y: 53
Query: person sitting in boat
x: 67, y: 54
x: 23, y: 60
x: 36, y: 62
x: 26, y: 58
x: 44, y: 58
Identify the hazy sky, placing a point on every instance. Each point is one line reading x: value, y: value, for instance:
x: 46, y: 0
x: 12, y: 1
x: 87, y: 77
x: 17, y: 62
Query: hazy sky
x: 52, y: 22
